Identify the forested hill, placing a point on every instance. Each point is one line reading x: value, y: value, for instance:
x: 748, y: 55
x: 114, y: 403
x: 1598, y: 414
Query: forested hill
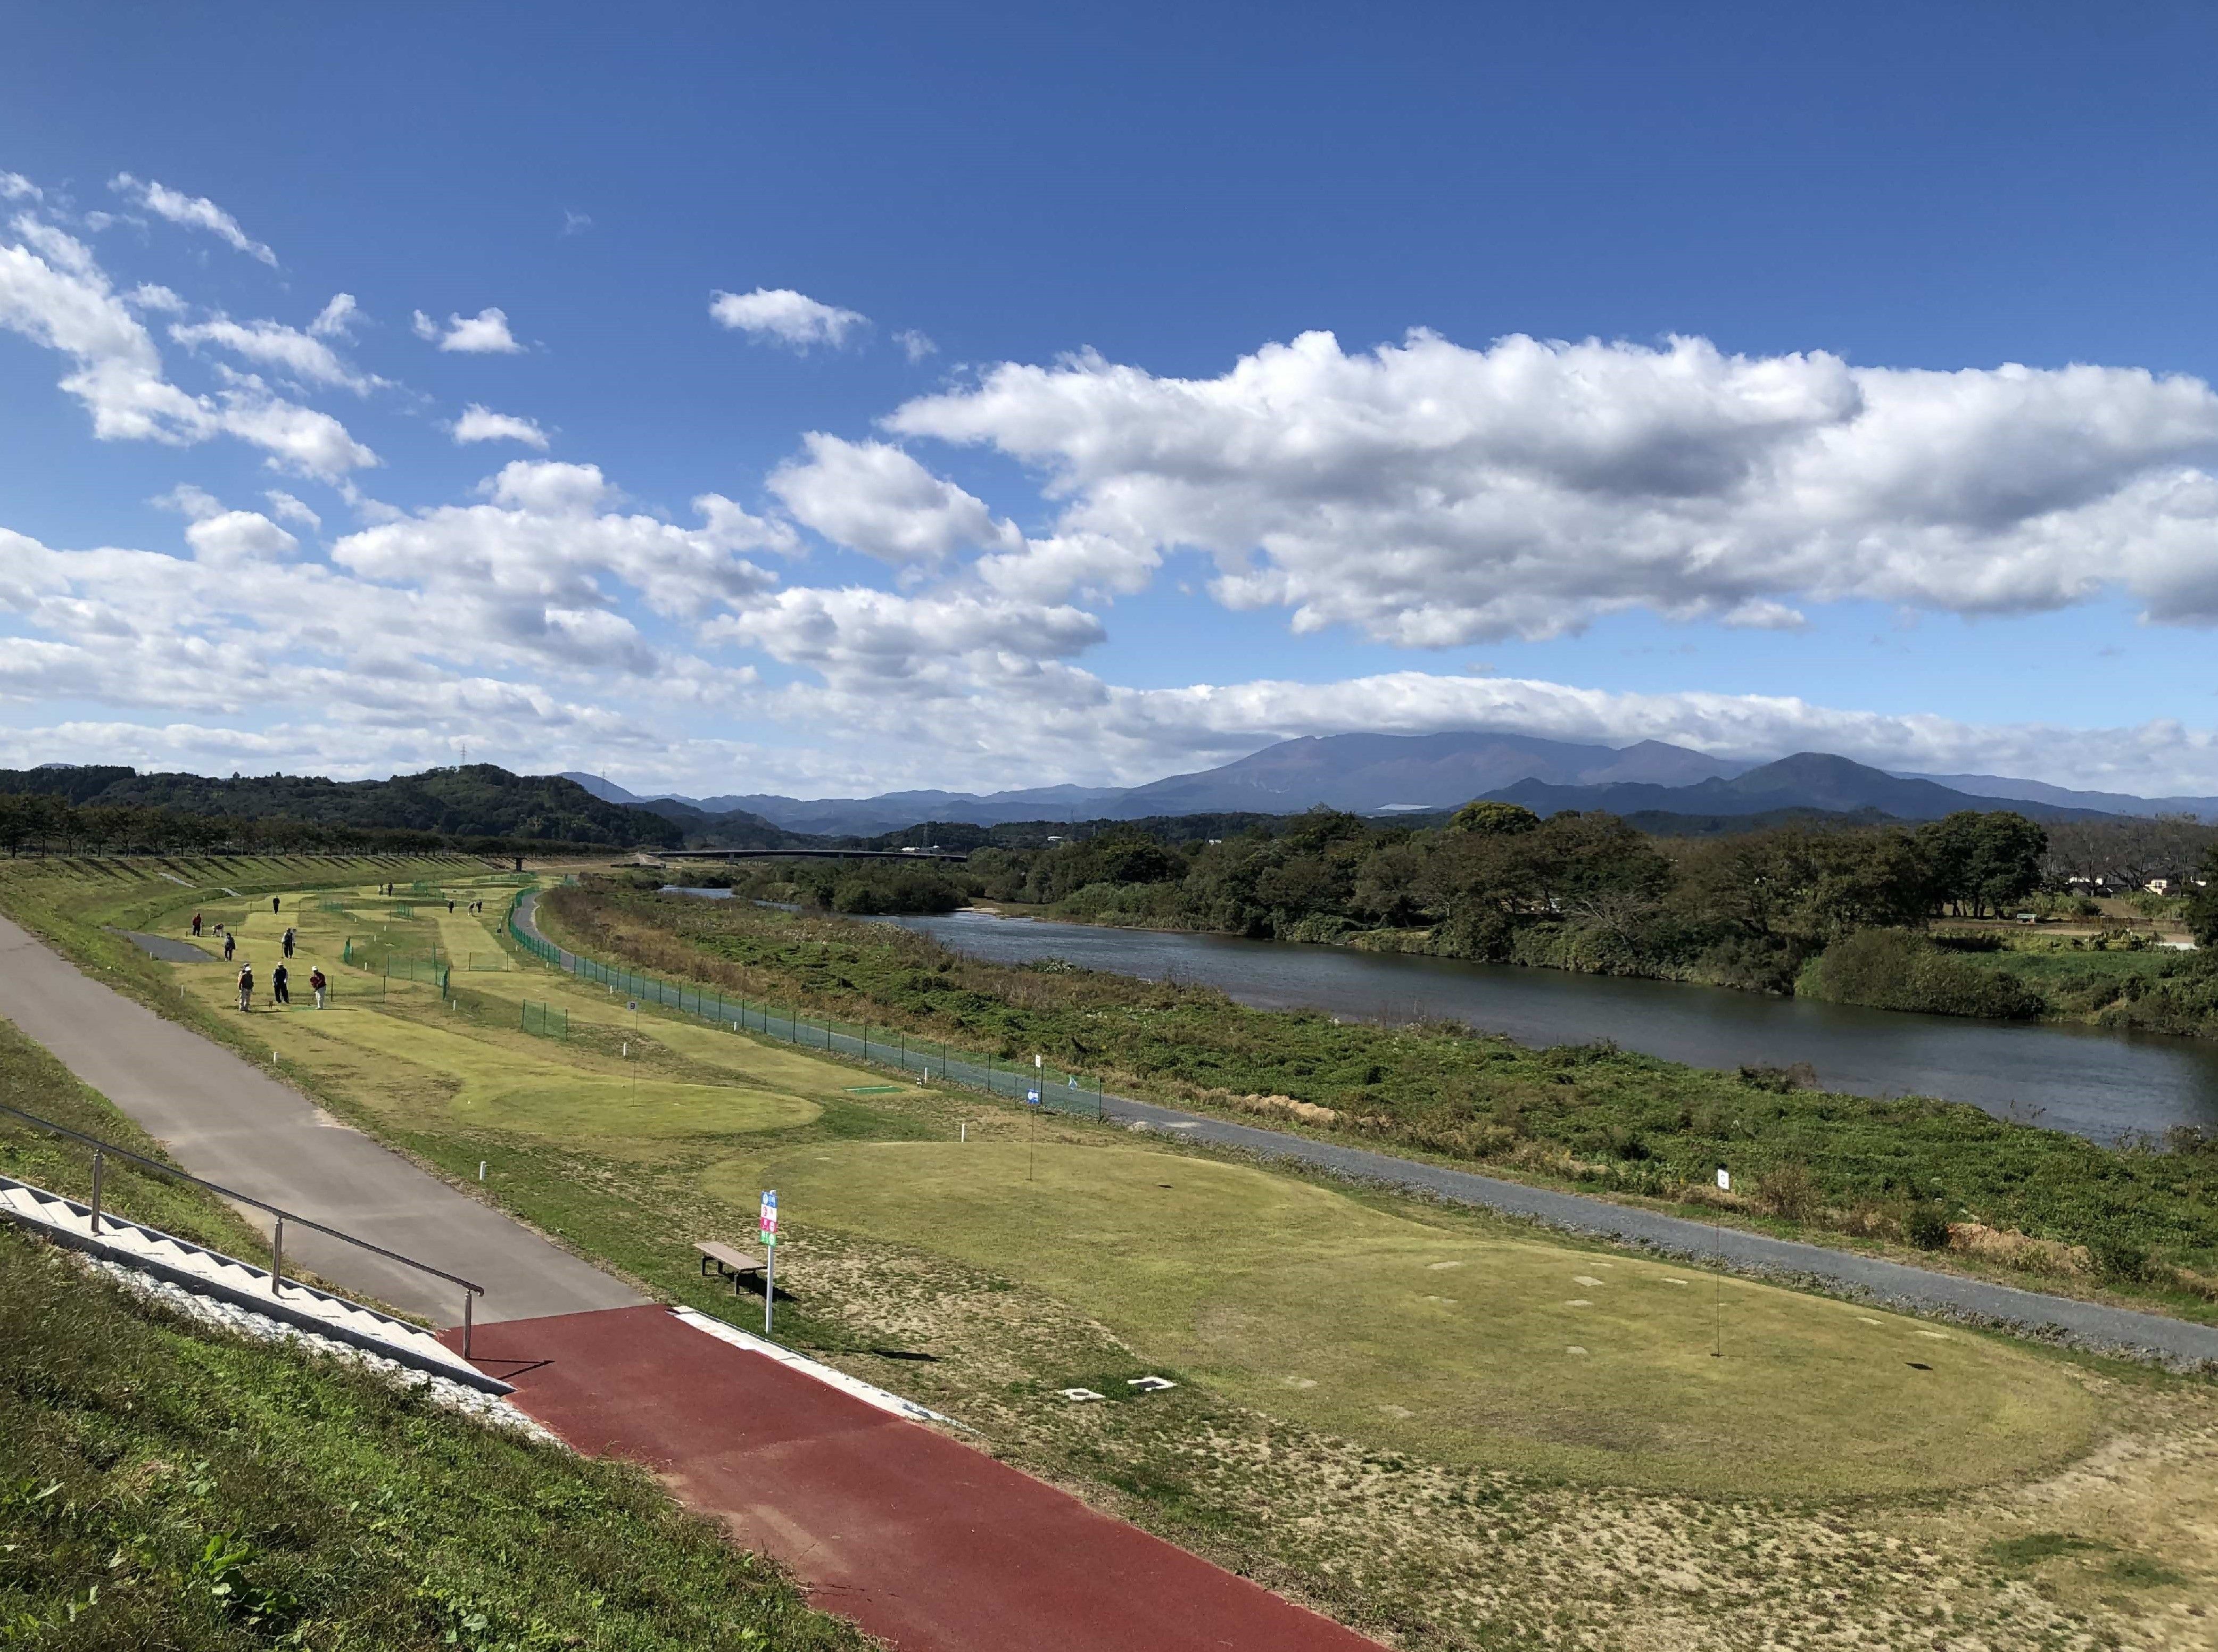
x: 476, y: 800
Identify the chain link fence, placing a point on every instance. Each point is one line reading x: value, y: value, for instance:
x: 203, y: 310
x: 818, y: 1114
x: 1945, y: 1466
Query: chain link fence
x: 1054, y: 1088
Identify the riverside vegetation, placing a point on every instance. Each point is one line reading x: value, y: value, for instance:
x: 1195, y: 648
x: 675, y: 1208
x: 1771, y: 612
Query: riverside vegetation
x: 1452, y: 1455
x: 1766, y: 911
x: 2142, y: 1219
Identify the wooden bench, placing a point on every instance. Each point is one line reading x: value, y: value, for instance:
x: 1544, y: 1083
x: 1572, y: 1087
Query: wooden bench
x: 729, y: 1264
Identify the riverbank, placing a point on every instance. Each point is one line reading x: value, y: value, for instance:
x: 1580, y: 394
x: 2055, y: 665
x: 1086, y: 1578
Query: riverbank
x: 1889, y: 1169
x: 2125, y: 981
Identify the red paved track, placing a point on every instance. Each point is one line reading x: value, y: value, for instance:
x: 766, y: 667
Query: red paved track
x: 922, y: 1540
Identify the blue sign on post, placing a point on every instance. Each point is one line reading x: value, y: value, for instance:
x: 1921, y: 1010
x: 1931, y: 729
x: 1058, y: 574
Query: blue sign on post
x: 1031, y: 1098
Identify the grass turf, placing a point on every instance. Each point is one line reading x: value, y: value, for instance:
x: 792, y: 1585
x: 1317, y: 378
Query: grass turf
x: 1458, y: 1348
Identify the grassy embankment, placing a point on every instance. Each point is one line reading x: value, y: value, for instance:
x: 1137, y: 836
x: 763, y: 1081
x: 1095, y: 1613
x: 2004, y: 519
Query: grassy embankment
x: 1428, y: 1421
x: 2142, y: 1221
x: 163, y: 1487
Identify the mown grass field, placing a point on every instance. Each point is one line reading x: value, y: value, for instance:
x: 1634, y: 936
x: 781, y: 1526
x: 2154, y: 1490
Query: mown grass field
x: 1462, y: 1348
x: 1379, y: 1409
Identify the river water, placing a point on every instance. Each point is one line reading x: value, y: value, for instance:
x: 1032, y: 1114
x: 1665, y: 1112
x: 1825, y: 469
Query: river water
x: 2085, y: 1080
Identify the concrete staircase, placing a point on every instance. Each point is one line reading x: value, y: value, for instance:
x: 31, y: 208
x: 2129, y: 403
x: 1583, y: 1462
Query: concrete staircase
x: 195, y: 1267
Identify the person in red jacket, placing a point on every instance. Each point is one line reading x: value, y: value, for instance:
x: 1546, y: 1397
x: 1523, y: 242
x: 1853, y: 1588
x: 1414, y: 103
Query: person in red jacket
x: 317, y: 984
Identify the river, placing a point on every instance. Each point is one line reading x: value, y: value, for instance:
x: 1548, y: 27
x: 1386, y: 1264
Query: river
x: 2085, y: 1080
x: 2089, y: 1081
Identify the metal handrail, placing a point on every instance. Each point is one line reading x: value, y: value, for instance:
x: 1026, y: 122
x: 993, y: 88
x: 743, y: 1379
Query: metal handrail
x: 101, y: 1149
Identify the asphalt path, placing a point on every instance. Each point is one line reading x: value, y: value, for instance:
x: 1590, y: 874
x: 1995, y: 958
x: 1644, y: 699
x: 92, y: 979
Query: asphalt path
x: 2092, y: 1324
x: 923, y: 1540
x: 230, y: 1121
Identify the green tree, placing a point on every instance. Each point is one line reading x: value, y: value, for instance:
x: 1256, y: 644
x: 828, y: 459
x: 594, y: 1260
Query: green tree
x: 1494, y: 819
x: 2203, y: 902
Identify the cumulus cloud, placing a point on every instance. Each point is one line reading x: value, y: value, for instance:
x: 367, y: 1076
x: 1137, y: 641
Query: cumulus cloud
x: 233, y: 538
x: 484, y: 333
x: 272, y: 343
x: 544, y: 547
x: 289, y: 509
x: 916, y: 345
x: 1429, y: 494
x: 14, y: 186
x: 52, y: 292
x: 873, y: 497
x: 299, y: 439
x: 193, y: 211
x: 149, y: 295
x: 480, y: 424
x: 779, y: 315
x: 881, y: 638
x: 337, y: 319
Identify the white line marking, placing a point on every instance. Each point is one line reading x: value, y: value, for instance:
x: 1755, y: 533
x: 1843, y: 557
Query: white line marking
x: 852, y: 1386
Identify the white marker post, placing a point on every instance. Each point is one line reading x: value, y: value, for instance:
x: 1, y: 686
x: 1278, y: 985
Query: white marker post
x: 770, y: 1254
x: 1718, y: 1262
x: 1033, y: 1101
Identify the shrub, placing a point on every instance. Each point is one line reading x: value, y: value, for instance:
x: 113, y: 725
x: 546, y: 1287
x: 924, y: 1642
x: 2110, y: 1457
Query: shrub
x: 1926, y: 1226
x: 1895, y: 969
x: 1786, y: 1189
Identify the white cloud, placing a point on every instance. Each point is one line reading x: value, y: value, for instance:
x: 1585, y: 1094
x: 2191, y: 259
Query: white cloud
x: 234, y: 538
x: 274, y: 344
x: 875, y: 637
x: 14, y: 186
x: 193, y: 212
x: 874, y: 498
x: 299, y: 439
x: 148, y: 295
x: 547, y: 541
x: 575, y: 223
x: 484, y: 333
x: 1429, y: 494
x: 480, y: 424
x: 51, y: 292
x: 187, y: 500
x: 54, y: 293
x: 780, y: 315
x: 291, y: 510
x: 337, y: 318
x: 916, y: 345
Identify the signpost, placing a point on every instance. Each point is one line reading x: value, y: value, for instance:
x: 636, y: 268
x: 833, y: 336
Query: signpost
x: 770, y: 1254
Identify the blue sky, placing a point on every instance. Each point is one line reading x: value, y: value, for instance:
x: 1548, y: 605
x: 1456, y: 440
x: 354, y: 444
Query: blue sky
x: 1019, y: 472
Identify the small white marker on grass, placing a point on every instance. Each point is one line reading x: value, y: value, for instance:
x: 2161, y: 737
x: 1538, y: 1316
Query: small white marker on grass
x: 1080, y: 1395
x: 1150, y: 1384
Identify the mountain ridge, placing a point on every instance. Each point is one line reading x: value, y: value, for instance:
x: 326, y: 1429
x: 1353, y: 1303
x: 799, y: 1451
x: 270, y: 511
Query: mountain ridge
x: 1387, y: 775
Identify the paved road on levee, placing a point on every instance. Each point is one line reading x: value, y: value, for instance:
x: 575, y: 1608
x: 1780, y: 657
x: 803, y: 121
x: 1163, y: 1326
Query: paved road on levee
x: 224, y: 1119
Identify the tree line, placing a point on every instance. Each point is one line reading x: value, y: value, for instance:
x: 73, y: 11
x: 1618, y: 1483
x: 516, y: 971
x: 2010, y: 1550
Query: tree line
x: 39, y: 823
x: 1581, y: 890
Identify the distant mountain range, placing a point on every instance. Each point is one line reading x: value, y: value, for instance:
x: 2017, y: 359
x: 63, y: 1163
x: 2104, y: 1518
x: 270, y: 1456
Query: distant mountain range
x: 1417, y: 774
